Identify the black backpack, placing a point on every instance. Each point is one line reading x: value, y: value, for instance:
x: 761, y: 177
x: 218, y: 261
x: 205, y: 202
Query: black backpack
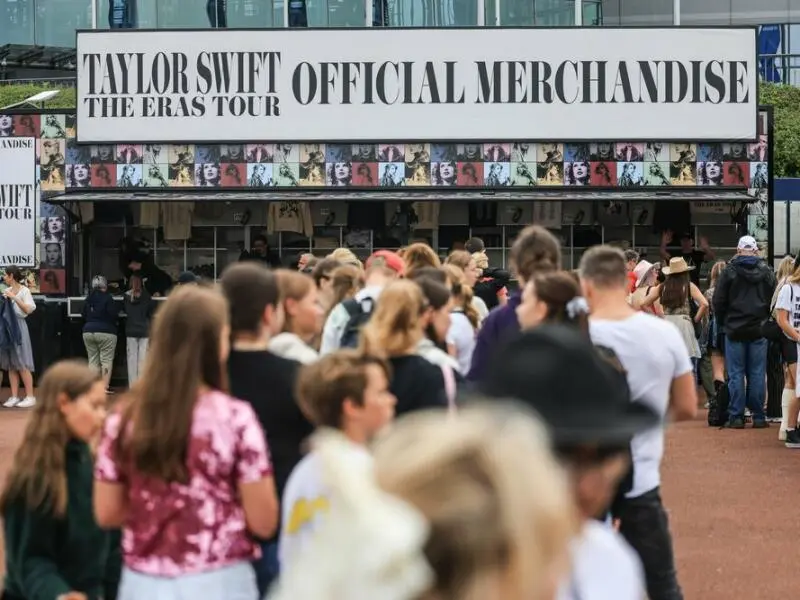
x: 718, y: 406
x: 358, y: 315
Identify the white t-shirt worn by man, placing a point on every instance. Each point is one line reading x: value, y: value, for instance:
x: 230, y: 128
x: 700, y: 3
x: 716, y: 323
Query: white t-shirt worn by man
x: 789, y: 300
x: 604, y: 567
x: 653, y: 354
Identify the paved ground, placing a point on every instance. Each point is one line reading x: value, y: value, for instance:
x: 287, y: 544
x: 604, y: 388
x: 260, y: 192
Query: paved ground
x: 732, y: 497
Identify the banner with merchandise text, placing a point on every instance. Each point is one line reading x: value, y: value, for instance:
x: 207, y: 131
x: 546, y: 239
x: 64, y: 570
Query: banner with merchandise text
x: 568, y: 84
x: 18, y: 202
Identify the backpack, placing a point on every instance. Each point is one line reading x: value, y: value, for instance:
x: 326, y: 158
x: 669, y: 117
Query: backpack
x: 718, y: 407
x: 358, y: 315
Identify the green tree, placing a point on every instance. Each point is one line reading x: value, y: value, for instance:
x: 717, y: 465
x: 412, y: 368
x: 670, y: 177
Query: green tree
x: 786, y: 102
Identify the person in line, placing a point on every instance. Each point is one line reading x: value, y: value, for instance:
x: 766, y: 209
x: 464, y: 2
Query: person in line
x: 535, y: 250
x: 553, y: 298
x: 139, y: 308
x: 302, y: 321
x: 715, y: 345
x: 321, y: 274
x: 465, y: 319
x: 660, y: 375
x: 265, y: 380
x: 395, y: 330
x: 468, y: 265
x: 419, y: 256
x: 453, y: 509
x: 187, y: 278
x: 683, y: 304
x: 345, y: 392
x: 741, y: 302
x: 101, y: 323
x: 437, y: 293
x: 345, y: 320
x: 306, y: 262
x: 787, y: 345
x: 346, y: 256
x: 492, y: 283
x: 346, y: 282
x: 787, y: 309
x: 18, y: 359
x: 53, y: 545
x: 687, y: 251
x: 591, y: 420
x: 631, y: 261
x: 646, y: 274
x: 183, y: 468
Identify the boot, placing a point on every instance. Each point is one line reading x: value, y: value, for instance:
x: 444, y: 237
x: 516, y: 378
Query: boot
x: 786, y: 399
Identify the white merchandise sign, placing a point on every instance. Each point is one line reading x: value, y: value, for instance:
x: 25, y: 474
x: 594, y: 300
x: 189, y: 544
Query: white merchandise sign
x: 17, y: 202
x: 391, y: 85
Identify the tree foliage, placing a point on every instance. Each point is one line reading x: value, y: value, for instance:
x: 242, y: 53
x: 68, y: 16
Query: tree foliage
x: 785, y: 99
x: 786, y: 102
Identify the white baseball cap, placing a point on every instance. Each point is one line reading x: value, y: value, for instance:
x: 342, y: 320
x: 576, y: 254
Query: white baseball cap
x: 747, y: 242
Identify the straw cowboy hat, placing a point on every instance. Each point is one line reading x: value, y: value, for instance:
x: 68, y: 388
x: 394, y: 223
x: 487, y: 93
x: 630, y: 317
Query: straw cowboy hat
x: 676, y: 265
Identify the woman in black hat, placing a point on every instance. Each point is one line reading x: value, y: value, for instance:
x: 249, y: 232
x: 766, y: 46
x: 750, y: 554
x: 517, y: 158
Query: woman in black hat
x: 592, y: 421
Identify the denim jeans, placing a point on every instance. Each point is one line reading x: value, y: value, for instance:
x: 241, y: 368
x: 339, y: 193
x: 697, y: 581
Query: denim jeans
x: 746, y: 363
x: 266, y: 567
x: 644, y: 524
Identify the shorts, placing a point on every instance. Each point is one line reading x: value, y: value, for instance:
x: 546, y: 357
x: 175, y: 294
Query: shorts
x: 788, y: 351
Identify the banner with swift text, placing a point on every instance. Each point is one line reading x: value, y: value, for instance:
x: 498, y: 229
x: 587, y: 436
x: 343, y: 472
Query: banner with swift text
x: 337, y: 85
x: 18, y: 202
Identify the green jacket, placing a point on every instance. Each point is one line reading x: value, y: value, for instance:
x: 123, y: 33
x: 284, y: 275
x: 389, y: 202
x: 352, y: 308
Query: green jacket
x: 48, y: 556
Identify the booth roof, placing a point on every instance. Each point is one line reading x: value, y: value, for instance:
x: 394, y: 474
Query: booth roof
x: 430, y: 195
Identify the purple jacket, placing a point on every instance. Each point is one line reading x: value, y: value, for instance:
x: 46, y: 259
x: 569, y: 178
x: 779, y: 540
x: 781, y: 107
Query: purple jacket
x: 500, y: 325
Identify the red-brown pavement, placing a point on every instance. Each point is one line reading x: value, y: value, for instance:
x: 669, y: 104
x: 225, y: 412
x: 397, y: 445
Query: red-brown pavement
x: 733, y: 498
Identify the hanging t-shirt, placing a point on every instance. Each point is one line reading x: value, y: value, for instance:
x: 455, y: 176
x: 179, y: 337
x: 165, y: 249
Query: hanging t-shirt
x: 366, y: 215
x: 177, y: 218
x: 427, y: 215
x: 547, y: 214
x: 653, y: 354
x: 604, y: 567
x: 290, y: 215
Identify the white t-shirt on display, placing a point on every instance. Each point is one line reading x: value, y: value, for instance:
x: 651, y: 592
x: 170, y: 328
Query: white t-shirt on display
x: 653, y: 354
x: 305, y: 502
x: 604, y: 567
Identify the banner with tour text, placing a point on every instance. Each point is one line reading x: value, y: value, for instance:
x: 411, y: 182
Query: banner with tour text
x: 392, y: 85
x: 18, y: 201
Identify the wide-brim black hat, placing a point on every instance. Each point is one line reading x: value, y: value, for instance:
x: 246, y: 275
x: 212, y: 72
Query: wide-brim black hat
x: 581, y: 396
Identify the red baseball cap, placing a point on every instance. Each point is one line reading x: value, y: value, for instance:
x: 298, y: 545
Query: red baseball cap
x: 391, y: 260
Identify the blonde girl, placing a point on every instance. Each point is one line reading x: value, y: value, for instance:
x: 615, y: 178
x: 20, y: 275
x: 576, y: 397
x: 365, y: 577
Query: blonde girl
x: 346, y: 282
x: 419, y: 256
x: 303, y: 316
x: 394, y: 331
x: 54, y: 547
x: 346, y: 256
x: 469, y: 265
x: 183, y: 468
x: 464, y: 319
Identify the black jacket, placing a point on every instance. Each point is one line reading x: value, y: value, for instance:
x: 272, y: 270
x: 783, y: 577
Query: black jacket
x: 489, y: 285
x: 138, y: 313
x: 417, y: 384
x: 9, y: 328
x: 742, y: 297
x: 100, y: 312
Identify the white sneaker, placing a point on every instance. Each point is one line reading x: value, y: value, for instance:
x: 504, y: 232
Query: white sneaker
x: 11, y: 402
x: 781, y: 435
x: 27, y: 402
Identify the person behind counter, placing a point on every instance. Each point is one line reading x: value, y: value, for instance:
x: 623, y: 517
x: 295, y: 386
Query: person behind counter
x: 139, y: 307
x: 100, y: 314
x: 18, y: 360
x: 156, y: 281
x: 54, y: 548
x: 262, y: 253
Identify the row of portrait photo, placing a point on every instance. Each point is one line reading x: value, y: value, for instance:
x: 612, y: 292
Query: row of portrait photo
x: 67, y: 151
x: 354, y: 174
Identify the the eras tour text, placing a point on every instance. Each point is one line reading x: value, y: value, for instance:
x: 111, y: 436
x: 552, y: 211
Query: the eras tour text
x: 170, y: 84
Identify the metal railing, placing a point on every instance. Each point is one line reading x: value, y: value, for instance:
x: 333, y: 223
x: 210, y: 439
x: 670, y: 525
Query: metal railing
x: 780, y: 68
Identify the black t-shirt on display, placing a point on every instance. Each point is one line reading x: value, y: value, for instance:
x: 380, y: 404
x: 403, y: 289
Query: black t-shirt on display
x: 267, y: 382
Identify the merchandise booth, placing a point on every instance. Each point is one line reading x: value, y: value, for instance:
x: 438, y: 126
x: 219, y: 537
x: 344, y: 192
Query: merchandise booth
x: 198, y: 201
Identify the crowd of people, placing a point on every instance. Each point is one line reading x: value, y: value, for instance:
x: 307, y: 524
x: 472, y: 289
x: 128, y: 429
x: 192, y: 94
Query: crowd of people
x: 409, y: 428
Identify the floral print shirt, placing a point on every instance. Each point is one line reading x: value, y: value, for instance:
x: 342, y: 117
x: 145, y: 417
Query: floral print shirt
x: 174, y: 528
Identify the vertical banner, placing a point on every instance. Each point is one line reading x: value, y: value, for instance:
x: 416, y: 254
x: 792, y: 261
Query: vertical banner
x: 18, y: 202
